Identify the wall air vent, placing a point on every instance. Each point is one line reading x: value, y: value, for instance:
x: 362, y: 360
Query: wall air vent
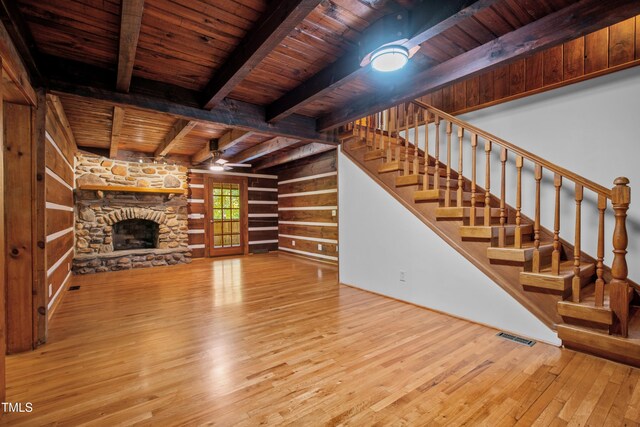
x: 516, y: 338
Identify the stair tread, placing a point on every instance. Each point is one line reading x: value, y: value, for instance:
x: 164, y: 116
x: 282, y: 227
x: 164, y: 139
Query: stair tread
x: 566, y: 269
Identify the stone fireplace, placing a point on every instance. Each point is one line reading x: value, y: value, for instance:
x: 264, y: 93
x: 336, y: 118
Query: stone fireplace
x: 128, y: 228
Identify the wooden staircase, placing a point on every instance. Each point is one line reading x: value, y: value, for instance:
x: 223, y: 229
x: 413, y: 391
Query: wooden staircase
x: 594, y: 308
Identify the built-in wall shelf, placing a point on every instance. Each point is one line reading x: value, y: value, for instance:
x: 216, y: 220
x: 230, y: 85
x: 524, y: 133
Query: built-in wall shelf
x: 131, y: 189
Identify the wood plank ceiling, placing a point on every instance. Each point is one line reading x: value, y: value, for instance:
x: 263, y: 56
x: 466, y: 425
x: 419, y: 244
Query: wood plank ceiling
x: 178, y: 59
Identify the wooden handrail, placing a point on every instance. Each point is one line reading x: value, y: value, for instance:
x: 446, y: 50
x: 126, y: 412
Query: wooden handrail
x: 574, y: 177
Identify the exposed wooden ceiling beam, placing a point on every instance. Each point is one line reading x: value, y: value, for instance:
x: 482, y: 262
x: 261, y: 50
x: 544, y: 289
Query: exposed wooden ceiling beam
x: 429, y: 19
x: 280, y: 18
x: 72, y: 78
x: 233, y: 137
x: 263, y: 149
x: 179, y: 130
x: 15, y: 67
x: 116, y: 127
x: 295, y: 154
x: 226, y: 141
x: 22, y: 38
x: 130, y: 23
x: 580, y: 18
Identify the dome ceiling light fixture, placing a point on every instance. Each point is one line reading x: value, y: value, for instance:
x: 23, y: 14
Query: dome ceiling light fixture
x: 386, y: 44
x: 389, y: 58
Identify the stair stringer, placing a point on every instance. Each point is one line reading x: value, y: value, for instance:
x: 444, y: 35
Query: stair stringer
x: 540, y: 305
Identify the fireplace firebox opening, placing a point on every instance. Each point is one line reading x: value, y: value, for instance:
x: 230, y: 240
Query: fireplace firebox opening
x: 135, y: 234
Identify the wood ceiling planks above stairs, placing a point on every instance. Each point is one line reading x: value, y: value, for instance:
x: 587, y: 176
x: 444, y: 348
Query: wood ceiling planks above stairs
x: 594, y: 308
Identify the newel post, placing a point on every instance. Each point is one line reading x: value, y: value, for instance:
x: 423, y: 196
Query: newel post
x: 619, y: 287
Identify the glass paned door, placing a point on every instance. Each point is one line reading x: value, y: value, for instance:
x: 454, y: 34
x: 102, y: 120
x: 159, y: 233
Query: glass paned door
x: 227, y: 217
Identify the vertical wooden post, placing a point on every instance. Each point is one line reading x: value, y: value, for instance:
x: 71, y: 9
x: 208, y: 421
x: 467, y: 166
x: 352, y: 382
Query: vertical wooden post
x: 3, y: 347
x: 487, y: 184
x: 536, y: 226
x: 503, y: 195
x: 388, y: 135
x: 40, y: 291
x: 447, y: 192
x: 425, y: 181
x: 619, y: 287
x: 460, y: 179
x: 555, y: 256
x: 575, y: 282
x: 518, y: 232
x: 474, y: 145
x: 436, y: 173
x: 366, y: 132
x: 599, y: 292
x: 18, y: 220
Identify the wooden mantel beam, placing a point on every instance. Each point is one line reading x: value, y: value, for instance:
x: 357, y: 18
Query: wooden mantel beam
x: 278, y: 21
x: 295, y: 154
x: 263, y: 149
x: 71, y: 78
x: 130, y: 23
x: 429, y: 19
x: 116, y: 127
x: 179, y: 130
x: 578, y: 19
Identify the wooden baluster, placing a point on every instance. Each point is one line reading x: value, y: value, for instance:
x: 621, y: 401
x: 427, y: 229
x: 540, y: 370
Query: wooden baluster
x: 474, y: 145
x: 536, y: 226
x: 396, y: 131
x: 575, y: 282
x: 555, y: 255
x: 619, y: 297
x: 406, y: 139
x: 487, y: 184
x: 366, y: 132
x: 375, y: 131
x: 503, y: 195
x: 447, y: 192
x: 459, y: 193
x: 517, y: 240
x: 388, y: 136
x: 599, y: 293
x: 416, y: 138
x: 436, y: 173
x: 425, y: 182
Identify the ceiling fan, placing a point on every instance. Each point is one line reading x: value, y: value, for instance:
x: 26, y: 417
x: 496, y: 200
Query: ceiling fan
x: 218, y: 164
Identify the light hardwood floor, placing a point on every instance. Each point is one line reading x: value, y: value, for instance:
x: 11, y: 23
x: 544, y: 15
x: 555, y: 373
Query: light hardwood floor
x: 272, y: 339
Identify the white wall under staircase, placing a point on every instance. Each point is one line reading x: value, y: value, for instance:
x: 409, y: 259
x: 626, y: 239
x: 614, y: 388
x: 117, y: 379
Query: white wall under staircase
x: 379, y: 238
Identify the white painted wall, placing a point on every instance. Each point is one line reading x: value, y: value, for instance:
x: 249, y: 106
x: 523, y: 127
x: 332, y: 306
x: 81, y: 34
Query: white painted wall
x: 379, y: 238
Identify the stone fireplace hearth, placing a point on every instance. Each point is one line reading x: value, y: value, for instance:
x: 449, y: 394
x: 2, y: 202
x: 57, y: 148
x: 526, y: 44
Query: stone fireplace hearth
x: 123, y: 229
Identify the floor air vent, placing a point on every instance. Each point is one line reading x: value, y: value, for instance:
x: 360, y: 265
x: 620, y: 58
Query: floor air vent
x: 516, y: 338
x: 74, y: 288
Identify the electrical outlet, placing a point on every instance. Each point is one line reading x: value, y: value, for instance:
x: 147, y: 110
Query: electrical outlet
x: 403, y: 277
x: 319, y: 246
x: 50, y: 289
x: 333, y: 212
x: 293, y: 243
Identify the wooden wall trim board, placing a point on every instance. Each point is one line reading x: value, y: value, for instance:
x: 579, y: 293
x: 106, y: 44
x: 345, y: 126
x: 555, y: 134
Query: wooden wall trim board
x: 603, y: 52
x: 2, y: 252
x: 39, y: 223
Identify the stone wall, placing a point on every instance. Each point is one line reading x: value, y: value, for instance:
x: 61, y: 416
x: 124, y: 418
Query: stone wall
x: 97, y: 211
x: 97, y: 170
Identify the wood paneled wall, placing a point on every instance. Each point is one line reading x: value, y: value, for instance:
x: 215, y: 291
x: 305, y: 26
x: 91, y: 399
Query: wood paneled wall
x: 262, y: 211
x: 608, y: 50
x: 59, y: 183
x: 308, y: 207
